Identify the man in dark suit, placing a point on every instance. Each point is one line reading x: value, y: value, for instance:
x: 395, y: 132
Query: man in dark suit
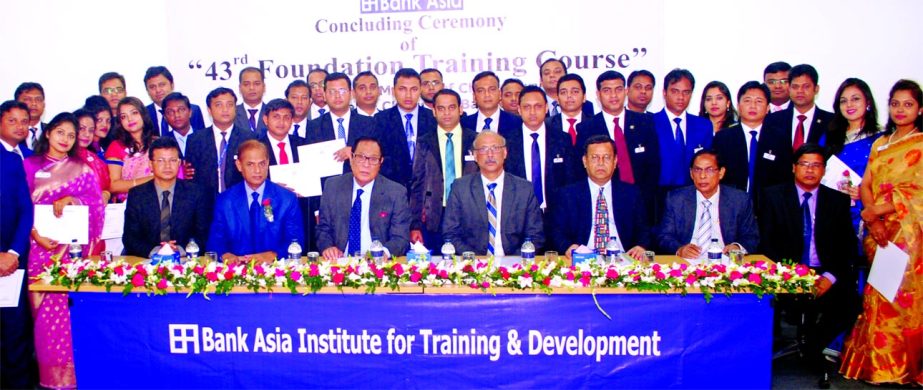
x: 299, y: 95
x: 165, y: 210
x: 442, y: 158
x: 809, y: 223
x: 33, y: 96
x: 550, y: 72
x: 489, y: 116
x: 211, y: 152
x: 809, y: 124
x: 706, y: 210
x: 16, y: 361
x: 176, y: 108
x: 755, y: 155
x: 256, y: 218
x: 360, y: 207
x: 512, y: 212
x: 572, y: 95
x: 14, y: 125
x: 509, y: 95
x: 543, y: 157
x: 252, y: 87
x: 431, y: 82
x: 339, y: 122
x: 640, y: 87
x: 112, y: 88
x: 159, y: 83
x: 775, y: 76
x: 398, y: 127
x: 680, y: 134
x: 367, y: 93
x: 575, y: 214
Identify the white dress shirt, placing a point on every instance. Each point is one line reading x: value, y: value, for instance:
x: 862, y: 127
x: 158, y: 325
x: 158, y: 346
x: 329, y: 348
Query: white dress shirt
x: 565, y: 125
x: 775, y: 108
x: 613, y: 231
x: 498, y: 194
x: 807, y: 122
x: 682, y: 124
x: 365, y: 234
x: 276, y: 151
x: 315, y: 110
x: 610, y: 126
x: 302, y: 128
x: 747, y: 131
x: 494, y: 121
x: 527, y: 156
x: 336, y: 124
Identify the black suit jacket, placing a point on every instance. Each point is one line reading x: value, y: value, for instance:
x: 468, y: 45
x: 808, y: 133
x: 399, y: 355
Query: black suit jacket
x: 773, y: 158
x: 321, y: 129
x: 389, y: 129
x: 201, y: 152
x: 735, y: 215
x: 242, y: 119
x: 817, y: 129
x: 560, y: 167
x: 428, y: 184
x: 190, y: 217
x: 293, y: 140
x: 572, y: 216
x: 507, y: 121
x: 195, y: 119
x: 556, y: 122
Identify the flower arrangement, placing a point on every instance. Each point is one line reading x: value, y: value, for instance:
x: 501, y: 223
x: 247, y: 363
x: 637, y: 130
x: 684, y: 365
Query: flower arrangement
x: 356, y: 273
x: 267, y: 209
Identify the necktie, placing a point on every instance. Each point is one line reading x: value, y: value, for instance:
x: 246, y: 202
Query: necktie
x: 537, y: 169
x: 18, y: 152
x: 355, y: 225
x: 487, y: 123
x: 297, y: 125
x: 799, y: 133
x: 341, y: 131
x: 680, y: 139
x: 322, y: 111
x: 555, y: 108
x: 165, y: 217
x: 808, y: 229
x: 626, y: 173
x: 254, y: 217
x: 222, y: 160
x: 164, y: 127
x: 704, y: 230
x: 408, y: 131
x: 32, y: 131
x: 252, y: 118
x: 572, y: 131
x: 602, y: 222
x: 491, y: 218
x: 283, y: 157
x: 449, y: 165
x: 752, y: 161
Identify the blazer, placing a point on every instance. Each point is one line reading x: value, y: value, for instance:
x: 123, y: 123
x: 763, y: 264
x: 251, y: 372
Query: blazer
x: 308, y: 205
x: 773, y: 159
x: 428, y: 184
x: 293, y: 140
x: 465, y: 220
x: 642, y: 141
x: 674, y: 167
x: 17, y: 216
x: 24, y: 149
x: 321, y: 129
x: 201, y: 152
x: 195, y: 119
x: 573, y: 223
x: 817, y: 130
x: 242, y: 120
x: 560, y: 167
x: 389, y: 214
x: 735, y: 215
x: 230, y: 230
x: 190, y: 217
x: 389, y: 129
x: 507, y: 121
x: 556, y: 122
x: 782, y: 223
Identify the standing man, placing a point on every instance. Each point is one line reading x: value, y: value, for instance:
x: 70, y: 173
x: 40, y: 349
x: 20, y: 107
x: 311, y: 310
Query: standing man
x: 572, y: 94
x: 486, y: 93
x: 159, y: 83
x: 776, y: 77
x: 510, y: 90
x: 641, y: 85
x: 398, y: 127
x: 431, y: 79
x: 367, y: 93
x: 551, y: 72
x: 14, y: 125
x: 680, y: 134
x: 512, y: 212
x: 33, y: 96
x: 802, y: 120
x: 340, y: 122
x: 318, y: 99
x: 250, y: 110
x: 212, y: 151
x: 299, y: 95
x: 112, y: 88
x: 177, y: 110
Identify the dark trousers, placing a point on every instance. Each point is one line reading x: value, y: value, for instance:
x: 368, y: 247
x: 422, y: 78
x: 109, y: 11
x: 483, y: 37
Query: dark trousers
x: 18, y: 368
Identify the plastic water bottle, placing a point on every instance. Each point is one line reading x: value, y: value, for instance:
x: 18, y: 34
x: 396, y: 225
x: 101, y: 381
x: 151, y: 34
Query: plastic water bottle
x: 613, y: 250
x: 527, y: 251
x: 76, y: 251
x: 714, y: 251
x: 294, y: 252
x: 378, y: 251
x: 448, y: 250
x: 192, y: 250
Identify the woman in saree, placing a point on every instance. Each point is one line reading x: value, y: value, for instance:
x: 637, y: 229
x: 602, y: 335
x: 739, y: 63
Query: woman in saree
x: 886, y: 344
x: 127, y: 154
x: 99, y: 108
x: 58, y: 177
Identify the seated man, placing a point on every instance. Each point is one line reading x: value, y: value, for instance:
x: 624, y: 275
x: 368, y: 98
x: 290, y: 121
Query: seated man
x: 360, y: 206
x: 588, y: 213
x: 512, y: 211
x: 255, y: 218
x: 810, y: 223
x: 165, y: 210
x: 697, y: 213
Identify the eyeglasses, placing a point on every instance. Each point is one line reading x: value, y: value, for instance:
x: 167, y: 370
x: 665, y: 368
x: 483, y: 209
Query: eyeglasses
x: 606, y: 158
x: 432, y: 83
x: 710, y: 171
x: 777, y: 81
x: 316, y: 85
x: 808, y: 165
x: 169, y: 161
x: 113, y: 90
x: 363, y: 159
x: 488, y: 149
x: 338, y: 91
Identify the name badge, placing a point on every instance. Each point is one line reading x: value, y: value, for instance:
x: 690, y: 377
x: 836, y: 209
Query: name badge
x: 882, y: 147
x: 469, y: 157
x: 639, y: 149
x: 696, y: 150
x: 558, y: 160
x: 769, y: 156
x: 42, y: 175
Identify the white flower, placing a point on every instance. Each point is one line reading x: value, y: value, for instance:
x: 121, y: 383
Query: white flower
x: 525, y: 282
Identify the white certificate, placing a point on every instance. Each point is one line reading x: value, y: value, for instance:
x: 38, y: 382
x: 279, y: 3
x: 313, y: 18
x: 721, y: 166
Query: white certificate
x: 10, y: 287
x: 834, y: 175
x: 319, y: 159
x: 297, y: 177
x: 74, y: 223
x: 887, y: 270
x: 114, y: 222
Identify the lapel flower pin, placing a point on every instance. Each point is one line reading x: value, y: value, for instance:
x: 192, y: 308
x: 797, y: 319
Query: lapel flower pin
x: 383, y: 214
x: 267, y: 209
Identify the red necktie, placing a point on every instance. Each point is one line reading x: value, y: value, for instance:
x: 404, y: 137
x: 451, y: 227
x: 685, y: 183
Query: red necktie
x: 283, y: 157
x: 626, y: 174
x: 799, y: 133
x: 572, y: 131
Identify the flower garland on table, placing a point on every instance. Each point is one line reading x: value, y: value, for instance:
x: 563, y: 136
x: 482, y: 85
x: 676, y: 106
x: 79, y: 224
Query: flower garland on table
x: 195, y: 278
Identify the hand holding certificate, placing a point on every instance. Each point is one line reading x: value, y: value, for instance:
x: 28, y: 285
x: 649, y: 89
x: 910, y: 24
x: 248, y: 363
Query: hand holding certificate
x: 73, y: 224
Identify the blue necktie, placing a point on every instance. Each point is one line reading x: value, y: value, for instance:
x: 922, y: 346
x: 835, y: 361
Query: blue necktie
x: 222, y: 160
x: 355, y: 225
x: 487, y: 123
x: 252, y: 118
x: 164, y: 127
x: 341, y: 131
x: 296, y: 130
x: 752, y: 161
x: 808, y: 229
x: 449, y: 165
x: 537, y: 169
x: 254, y: 217
x: 680, y: 140
x: 491, y: 218
x: 321, y: 112
x: 555, y: 108
x: 408, y: 132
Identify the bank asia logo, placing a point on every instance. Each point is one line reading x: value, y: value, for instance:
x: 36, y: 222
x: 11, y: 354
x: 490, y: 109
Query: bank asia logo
x: 387, y: 6
x: 205, y: 339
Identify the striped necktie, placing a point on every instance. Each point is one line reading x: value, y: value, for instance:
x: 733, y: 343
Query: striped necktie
x: 704, y: 230
x: 491, y: 218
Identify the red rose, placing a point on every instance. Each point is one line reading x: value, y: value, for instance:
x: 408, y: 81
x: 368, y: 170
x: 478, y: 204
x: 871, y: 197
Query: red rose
x: 296, y: 275
x: 314, y: 271
x: 846, y: 173
x: 379, y: 273
x: 259, y: 270
x: 162, y: 284
x: 415, y: 277
x: 547, y: 281
x: 382, y: 214
x: 660, y: 275
x: 280, y: 272
x: 802, y: 270
x: 612, y: 273
x: 735, y: 275
x: 119, y: 271
x: 504, y: 273
x: 91, y: 273
x: 266, y: 202
x: 443, y: 274
x: 212, y: 276
x: 676, y: 273
x: 398, y: 269
x: 137, y: 280
x: 338, y: 278
x: 690, y: 279
x: 229, y: 274
x: 755, y: 278
x: 585, y: 280
x: 786, y: 276
x: 485, y: 284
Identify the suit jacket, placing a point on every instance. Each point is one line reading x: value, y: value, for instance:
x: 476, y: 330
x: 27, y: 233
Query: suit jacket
x: 735, y: 215
x: 556, y: 122
x: 674, y: 167
x: 308, y: 205
x: 201, y: 152
x: 573, y: 219
x: 230, y: 230
x: 321, y: 129
x: 389, y: 215
x: 17, y: 216
x: 465, y: 220
x: 782, y: 223
x: 428, y: 184
x: 560, y: 167
x: 586, y: 109
x: 643, y: 145
x: 389, y: 129
x: 507, y: 122
x: 242, y: 120
x: 773, y: 159
x: 294, y: 142
x: 195, y: 120
x: 817, y: 129
x: 24, y: 149
x: 190, y: 217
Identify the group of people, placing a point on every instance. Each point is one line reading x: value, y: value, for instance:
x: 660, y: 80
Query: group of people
x: 533, y: 163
